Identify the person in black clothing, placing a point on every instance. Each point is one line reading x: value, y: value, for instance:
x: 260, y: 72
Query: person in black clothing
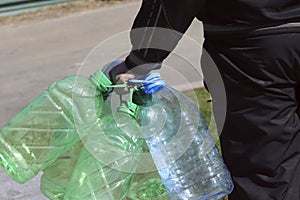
x: 256, y: 47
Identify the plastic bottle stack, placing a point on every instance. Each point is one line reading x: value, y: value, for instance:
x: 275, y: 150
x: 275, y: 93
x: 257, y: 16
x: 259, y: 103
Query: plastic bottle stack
x: 182, y: 148
x: 65, y: 125
x: 45, y: 129
x: 107, y: 163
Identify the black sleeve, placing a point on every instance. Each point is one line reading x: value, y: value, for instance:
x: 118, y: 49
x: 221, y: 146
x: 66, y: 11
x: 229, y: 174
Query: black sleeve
x: 157, y: 29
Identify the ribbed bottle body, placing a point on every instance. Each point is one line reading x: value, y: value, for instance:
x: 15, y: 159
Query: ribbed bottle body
x: 107, y: 163
x: 45, y: 129
x: 57, y: 176
x: 182, y: 148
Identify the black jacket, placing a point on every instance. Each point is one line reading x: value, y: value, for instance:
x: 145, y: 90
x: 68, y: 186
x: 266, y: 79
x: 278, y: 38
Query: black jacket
x: 219, y: 17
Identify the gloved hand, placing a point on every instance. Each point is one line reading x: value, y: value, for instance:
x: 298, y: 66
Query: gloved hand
x: 119, y: 73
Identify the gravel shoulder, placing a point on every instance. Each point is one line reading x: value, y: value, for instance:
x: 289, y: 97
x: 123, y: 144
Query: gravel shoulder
x: 56, y: 11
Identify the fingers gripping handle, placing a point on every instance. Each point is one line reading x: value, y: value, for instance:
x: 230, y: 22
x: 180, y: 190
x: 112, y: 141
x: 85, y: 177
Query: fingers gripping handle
x: 151, y: 84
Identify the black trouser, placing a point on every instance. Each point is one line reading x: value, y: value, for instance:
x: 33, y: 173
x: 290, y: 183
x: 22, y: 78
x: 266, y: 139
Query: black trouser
x: 261, y: 135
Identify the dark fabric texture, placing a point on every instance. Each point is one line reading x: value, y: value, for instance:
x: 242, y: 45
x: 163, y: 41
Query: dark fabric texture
x: 218, y: 16
x: 174, y: 15
x: 249, y: 12
x: 261, y: 136
x: 116, y: 70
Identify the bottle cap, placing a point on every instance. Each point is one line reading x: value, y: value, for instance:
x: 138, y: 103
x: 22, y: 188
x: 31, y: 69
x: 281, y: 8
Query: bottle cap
x: 101, y: 80
x: 153, y: 83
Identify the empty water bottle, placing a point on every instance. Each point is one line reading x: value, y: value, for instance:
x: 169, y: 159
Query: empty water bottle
x: 45, y: 128
x: 107, y: 163
x: 56, y: 177
x: 182, y: 148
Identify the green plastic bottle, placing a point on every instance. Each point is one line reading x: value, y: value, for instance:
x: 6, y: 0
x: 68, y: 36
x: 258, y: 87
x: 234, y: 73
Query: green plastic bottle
x: 147, y: 184
x: 107, y: 163
x: 47, y: 127
x: 56, y: 177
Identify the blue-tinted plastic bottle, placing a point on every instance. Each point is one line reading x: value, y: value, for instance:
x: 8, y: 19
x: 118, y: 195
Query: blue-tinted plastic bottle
x: 182, y: 148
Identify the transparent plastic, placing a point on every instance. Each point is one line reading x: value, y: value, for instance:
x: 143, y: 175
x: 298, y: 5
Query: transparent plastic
x: 182, y: 148
x: 107, y: 163
x: 56, y: 177
x: 147, y: 184
x: 45, y: 128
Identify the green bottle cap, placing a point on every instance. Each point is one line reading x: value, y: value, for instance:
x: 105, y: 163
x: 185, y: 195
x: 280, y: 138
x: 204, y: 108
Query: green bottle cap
x: 101, y: 80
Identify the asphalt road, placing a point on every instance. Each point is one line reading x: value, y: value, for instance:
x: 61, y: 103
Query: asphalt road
x: 36, y: 54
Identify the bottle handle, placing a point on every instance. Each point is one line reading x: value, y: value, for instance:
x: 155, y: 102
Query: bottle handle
x: 151, y: 84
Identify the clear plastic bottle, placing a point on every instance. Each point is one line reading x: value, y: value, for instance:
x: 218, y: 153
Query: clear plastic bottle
x: 107, y: 163
x: 45, y: 129
x: 182, y: 148
x: 56, y: 177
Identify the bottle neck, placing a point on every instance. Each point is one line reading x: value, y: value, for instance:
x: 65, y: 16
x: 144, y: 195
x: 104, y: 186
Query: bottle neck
x: 128, y: 108
x: 101, y: 81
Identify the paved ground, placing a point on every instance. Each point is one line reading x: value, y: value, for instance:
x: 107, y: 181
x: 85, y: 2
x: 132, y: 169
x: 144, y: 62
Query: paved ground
x: 34, y: 55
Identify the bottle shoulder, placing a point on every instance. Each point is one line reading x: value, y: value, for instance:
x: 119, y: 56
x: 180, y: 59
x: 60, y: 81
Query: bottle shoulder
x: 121, y: 122
x: 75, y: 85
